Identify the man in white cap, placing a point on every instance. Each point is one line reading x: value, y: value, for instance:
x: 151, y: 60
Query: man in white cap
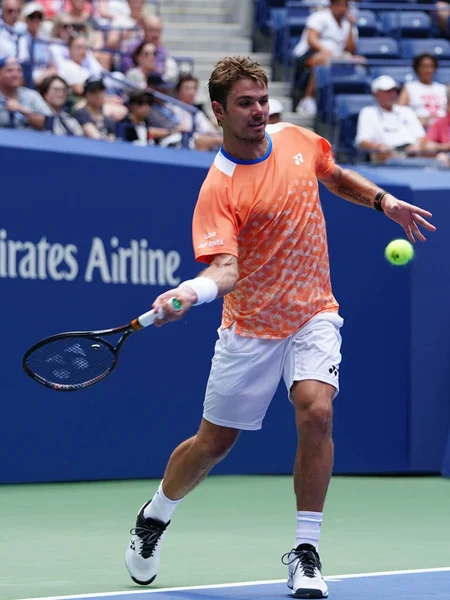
x: 33, y: 46
x: 388, y: 129
x: 275, y: 111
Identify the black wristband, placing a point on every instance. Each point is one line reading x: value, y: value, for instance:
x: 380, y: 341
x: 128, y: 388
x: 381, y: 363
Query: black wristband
x: 377, y: 202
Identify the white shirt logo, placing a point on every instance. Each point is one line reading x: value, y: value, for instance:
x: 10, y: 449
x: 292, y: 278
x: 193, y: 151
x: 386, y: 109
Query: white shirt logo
x: 298, y: 158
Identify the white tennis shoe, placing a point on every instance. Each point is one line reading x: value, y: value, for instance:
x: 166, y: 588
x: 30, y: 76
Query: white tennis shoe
x: 143, y: 552
x: 304, y: 572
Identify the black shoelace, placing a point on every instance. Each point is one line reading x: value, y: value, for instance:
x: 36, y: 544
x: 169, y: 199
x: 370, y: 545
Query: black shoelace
x: 307, y: 560
x: 150, y: 537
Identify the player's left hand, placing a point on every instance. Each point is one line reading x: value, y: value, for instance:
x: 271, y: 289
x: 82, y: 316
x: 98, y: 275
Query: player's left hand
x: 407, y: 216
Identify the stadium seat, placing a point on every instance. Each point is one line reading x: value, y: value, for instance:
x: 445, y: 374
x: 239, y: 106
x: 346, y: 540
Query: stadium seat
x: 367, y: 23
x: 439, y: 47
x: 338, y: 78
x: 401, y: 74
x: 378, y: 47
x: 406, y: 23
x: 297, y: 9
x: 346, y: 109
x: 443, y: 75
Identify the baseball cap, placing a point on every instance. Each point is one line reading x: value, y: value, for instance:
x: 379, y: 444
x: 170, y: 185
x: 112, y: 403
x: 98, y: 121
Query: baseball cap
x: 30, y: 8
x: 94, y: 83
x: 275, y: 107
x: 383, y: 84
x: 157, y: 80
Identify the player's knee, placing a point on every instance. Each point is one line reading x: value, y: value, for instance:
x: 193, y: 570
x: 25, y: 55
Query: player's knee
x: 314, y: 413
x: 316, y: 418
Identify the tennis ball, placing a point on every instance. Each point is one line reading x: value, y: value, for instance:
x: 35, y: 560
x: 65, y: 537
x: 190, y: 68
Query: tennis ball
x: 399, y: 252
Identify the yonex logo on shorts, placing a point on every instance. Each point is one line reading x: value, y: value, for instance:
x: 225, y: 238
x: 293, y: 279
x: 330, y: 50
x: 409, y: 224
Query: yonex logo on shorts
x: 333, y: 370
x: 298, y: 158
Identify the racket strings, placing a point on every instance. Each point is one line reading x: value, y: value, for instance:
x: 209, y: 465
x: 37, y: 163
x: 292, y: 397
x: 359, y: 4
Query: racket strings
x: 71, y: 361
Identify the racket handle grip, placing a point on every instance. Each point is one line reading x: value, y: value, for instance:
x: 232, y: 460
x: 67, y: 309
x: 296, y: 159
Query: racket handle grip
x: 149, y: 317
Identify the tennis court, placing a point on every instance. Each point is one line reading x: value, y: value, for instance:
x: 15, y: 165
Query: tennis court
x: 383, y: 537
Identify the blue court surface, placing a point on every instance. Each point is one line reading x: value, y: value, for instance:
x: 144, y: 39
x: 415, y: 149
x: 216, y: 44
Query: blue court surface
x: 426, y: 584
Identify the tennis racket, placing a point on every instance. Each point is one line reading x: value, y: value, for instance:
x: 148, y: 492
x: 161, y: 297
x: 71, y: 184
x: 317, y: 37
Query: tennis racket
x: 71, y: 361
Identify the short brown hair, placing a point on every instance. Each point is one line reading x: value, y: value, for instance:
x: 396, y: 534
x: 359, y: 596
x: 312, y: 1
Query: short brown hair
x: 184, y: 78
x: 229, y: 70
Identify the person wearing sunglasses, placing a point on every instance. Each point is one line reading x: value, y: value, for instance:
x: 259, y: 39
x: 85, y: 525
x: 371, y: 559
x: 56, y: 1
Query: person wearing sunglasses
x: 34, y: 47
x: 144, y: 59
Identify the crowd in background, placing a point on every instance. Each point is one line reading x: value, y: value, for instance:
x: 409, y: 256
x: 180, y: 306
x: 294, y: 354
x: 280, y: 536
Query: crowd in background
x: 99, y: 70
x: 411, y: 122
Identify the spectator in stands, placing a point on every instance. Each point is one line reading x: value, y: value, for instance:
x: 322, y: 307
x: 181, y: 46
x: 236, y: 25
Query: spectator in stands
x: 54, y: 90
x: 135, y: 127
x: 92, y: 118
x: 82, y: 18
x: 144, y: 59
x: 204, y: 134
x: 130, y: 17
x: 20, y: 107
x: 139, y: 126
x: 126, y: 26
x: 51, y: 8
x: 388, y: 130
x: 442, y: 16
x: 162, y: 109
x: 80, y: 12
x: 275, y: 111
x: 186, y: 91
x: 80, y: 64
x: 438, y: 137
x: 34, y: 47
x: 329, y: 33
x: 10, y: 28
x: 152, y: 31
x: 61, y: 33
x: 426, y: 97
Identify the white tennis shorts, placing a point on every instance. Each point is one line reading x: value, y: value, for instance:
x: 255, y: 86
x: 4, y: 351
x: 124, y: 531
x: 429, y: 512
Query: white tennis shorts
x: 245, y: 372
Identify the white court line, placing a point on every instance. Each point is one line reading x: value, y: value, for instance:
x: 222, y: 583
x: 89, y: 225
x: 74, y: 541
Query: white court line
x: 232, y: 585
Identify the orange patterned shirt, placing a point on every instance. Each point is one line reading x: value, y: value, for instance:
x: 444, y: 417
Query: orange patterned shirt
x: 267, y: 213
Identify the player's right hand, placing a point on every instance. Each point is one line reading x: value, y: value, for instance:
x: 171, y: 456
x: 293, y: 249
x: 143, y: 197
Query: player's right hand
x: 185, y: 295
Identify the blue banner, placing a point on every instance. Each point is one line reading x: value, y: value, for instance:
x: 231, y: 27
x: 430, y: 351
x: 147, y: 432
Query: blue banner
x: 91, y: 233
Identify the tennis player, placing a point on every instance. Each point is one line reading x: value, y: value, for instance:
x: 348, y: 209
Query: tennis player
x: 258, y: 226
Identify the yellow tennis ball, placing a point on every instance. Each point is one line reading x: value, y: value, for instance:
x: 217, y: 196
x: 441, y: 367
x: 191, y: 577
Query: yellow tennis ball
x: 399, y: 252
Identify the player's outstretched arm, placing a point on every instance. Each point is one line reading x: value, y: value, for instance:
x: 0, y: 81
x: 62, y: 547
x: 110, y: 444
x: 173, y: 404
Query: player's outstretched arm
x: 217, y: 280
x: 357, y: 189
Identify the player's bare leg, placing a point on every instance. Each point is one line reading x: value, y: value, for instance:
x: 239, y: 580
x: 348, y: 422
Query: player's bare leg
x: 312, y: 472
x: 189, y: 464
x: 313, y: 404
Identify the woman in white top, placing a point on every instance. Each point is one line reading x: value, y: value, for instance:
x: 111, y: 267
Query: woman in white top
x: 144, y: 57
x: 425, y: 96
x: 329, y: 34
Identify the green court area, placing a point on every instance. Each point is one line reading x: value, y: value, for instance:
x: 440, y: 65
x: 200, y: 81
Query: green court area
x: 61, y: 539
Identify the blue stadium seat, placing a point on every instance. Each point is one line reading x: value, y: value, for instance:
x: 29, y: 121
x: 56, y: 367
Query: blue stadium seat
x: 439, y: 47
x: 338, y: 78
x: 346, y: 109
x: 378, y: 47
x: 401, y: 74
x: 406, y: 23
x: 443, y: 75
x: 367, y: 23
x: 295, y: 8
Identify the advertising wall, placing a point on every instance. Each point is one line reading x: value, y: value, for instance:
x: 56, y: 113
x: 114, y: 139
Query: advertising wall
x: 91, y: 233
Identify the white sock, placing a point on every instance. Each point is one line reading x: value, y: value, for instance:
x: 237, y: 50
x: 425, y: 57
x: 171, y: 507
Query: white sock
x: 308, y: 528
x: 161, y: 507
